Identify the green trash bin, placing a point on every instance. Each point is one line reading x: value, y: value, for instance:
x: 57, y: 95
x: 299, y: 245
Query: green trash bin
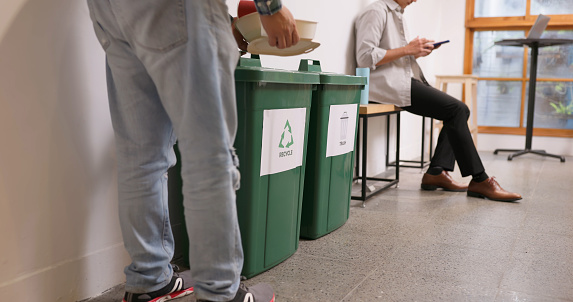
x: 273, y: 114
x: 330, y: 152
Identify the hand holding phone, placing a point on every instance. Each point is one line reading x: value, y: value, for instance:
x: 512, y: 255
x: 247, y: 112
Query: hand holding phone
x: 440, y: 43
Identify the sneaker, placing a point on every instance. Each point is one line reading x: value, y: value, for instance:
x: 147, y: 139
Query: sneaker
x: 180, y: 286
x: 261, y: 292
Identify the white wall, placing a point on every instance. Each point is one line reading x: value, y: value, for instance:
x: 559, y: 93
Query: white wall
x: 58, y: 217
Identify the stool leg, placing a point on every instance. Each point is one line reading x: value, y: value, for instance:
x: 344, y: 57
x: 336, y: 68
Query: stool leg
x: 357, y: 165
x: 474, y: 108
x: 364, y: 158
x: 397, y: 147
x: 423, y: 142
x: 431, y: 138
x: 468, y: 98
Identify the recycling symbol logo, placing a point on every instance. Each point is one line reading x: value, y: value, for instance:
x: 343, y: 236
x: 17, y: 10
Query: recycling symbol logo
x: 286, y: 137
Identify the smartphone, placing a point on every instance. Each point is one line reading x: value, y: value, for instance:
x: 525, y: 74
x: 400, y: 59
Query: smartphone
x: 440, y: 43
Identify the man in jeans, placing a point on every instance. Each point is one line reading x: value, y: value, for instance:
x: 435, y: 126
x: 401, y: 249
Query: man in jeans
x: 170, y: 73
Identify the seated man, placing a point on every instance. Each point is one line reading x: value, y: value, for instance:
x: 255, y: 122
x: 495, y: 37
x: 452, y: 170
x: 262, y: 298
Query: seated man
x: 396, y: 78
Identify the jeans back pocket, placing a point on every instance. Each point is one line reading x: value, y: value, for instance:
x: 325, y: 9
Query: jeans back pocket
x: 157, y: 25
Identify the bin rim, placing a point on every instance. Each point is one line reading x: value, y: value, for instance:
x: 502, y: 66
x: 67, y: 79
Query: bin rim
x: 250, y: 70
x: 330, y: 77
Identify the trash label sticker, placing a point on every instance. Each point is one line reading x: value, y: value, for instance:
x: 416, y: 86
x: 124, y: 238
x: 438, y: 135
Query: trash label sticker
x: 283, y: 140
x: 341, y: 129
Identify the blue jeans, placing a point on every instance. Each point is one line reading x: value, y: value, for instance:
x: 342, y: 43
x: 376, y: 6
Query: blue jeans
x: 170, y: 74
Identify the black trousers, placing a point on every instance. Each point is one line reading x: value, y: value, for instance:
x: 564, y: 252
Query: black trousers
x: 455, y: 140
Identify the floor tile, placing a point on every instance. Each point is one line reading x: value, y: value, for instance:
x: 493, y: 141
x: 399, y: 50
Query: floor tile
x: 449, y: 262
x: 479, y: 237
x: 366, y: 238
x: 540, y: 274
x: 511, y: 296
x: 400, y: 286
x: 308, y: 278
x: 561, y: 224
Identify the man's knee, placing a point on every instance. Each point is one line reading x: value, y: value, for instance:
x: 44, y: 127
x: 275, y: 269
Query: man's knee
x: 464, y: 109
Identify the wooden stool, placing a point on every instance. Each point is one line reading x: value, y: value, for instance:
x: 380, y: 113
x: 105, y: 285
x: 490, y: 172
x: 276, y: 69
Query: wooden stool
x: 469, y: 83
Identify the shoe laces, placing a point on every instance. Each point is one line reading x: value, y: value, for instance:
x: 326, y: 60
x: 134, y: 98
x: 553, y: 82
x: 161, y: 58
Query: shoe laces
x: 494, y: 182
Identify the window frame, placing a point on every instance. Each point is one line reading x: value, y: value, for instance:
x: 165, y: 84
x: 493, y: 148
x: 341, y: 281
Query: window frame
x: 473, y: 24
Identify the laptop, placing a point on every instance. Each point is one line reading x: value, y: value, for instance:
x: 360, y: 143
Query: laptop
x: 538, y: 27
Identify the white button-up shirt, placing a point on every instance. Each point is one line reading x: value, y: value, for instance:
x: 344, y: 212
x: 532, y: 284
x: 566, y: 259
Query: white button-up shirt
x: 378, y: 28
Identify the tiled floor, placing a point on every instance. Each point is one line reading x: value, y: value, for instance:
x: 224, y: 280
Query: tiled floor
x: 413, y: 245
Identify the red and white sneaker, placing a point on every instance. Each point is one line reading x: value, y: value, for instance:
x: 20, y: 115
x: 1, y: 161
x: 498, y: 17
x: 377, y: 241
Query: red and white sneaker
x: 181, y: 285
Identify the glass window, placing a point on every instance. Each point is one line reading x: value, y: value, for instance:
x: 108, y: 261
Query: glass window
x: 555, y: 61
x: 551, y: 7
x: 498, y: 8
x: 553, y: 105
x: 503, y: 71
x: 499, y: 103
x: 497, y: 61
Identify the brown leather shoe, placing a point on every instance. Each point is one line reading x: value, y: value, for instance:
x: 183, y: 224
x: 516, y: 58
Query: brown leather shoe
x: 490, y: 189
x: 444, y: 181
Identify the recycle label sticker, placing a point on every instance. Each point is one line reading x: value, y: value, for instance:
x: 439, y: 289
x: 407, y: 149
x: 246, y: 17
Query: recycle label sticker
x: 341, y: 129
x: 283, y: 140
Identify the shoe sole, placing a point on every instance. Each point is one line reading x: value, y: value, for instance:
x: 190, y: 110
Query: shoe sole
x: 478, y: 195
x: 175, y: 295
x: 434, y: 187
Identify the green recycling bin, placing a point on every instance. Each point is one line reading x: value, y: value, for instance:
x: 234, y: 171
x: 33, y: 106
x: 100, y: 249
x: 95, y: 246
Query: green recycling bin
x: 330, y: 152
x: 273, y: 115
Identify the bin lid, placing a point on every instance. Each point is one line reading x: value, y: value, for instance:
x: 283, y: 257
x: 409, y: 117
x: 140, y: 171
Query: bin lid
x: 329, y: 77
x: 250, y: 70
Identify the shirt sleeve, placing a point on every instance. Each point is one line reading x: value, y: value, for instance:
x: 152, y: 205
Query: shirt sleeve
x: 268, y: 7
x: 369, y: 30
